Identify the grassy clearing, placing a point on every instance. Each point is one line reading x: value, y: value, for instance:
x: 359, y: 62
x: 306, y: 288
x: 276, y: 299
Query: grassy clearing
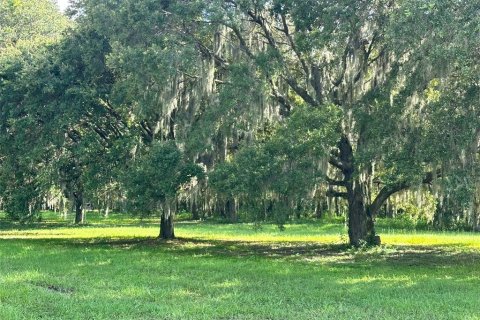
x: 116, y: 269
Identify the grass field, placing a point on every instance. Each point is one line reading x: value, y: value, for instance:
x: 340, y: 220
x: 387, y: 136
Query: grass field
x: 116, y: 269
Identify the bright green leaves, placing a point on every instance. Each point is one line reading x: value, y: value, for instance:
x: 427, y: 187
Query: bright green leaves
x: 25, y: 24
x: 286, y: 163
x: 242, y: 95
x: 432, y: 93
x: 308, y: 132
x: 157, y: 175
x: 26, y: 29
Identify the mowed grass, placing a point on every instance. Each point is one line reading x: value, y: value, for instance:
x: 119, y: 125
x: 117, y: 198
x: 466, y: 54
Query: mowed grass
x: 116, y: 269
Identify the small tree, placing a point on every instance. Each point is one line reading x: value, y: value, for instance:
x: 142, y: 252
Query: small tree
x: 154, y: 179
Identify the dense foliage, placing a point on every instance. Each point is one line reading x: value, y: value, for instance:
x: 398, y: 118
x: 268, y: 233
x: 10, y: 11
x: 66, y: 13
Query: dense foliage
x: 364, y: 108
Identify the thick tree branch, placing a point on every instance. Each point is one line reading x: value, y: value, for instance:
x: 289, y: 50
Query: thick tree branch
x: 389, y: 190
x: 74, y: 135
x: 340, y: 77
x: 243, y: 43
x: 302, y: 92
x: 338, y: 163
x: 316, y: 82
x: 286, y: 107
x: 111, y: 111
x: 384, y: 194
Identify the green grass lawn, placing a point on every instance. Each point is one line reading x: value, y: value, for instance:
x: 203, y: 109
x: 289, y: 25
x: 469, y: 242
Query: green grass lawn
x: 116, y: 269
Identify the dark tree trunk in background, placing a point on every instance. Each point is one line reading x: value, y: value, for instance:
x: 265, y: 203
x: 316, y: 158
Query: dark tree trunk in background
x: 220, y: 208
x: 194, y: 210
x: 337, y: 208
x: 318, y: 203
x: 298, y: 210
x: 78, y: 199
x: 166, y: 223
x: 318, y: 209
x: 231, y: 210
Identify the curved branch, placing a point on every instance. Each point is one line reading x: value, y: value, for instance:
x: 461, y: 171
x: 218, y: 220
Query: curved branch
x: 338, y: 163
x: 302, y: 92
x: 384, y: 194
x: 388, y: 191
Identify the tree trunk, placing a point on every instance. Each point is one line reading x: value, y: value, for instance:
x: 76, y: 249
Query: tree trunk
x: 166, y: 227
x: 231, y: 210
x: 318, y: 209
x: 78, y: 198
x: 318, y: 203
x: 107, y: 211
x: 361, y: 228
x: 360, y: 218
x: 65, y: 208
x: 166, y: 223
x: 337, y: 208
x: 298, y: 210
x: 194, y: 209
x: 107, y: 206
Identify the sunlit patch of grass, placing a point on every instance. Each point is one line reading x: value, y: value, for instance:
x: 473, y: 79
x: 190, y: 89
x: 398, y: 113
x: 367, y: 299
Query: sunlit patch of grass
x: 460, y: 239
x: 82, y: 233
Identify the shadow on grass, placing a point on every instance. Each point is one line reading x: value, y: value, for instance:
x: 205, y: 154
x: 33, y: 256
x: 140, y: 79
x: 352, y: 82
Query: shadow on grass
x: 433, y: 256
x: 406, y: 256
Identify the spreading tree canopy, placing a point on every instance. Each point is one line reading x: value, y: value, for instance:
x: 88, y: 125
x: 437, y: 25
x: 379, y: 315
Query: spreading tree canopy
x: 278, y: 99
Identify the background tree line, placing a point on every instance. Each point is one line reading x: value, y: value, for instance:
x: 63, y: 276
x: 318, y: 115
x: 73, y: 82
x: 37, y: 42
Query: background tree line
x: 259, y: 109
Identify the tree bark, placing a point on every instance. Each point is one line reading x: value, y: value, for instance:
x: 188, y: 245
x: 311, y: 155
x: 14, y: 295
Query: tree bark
x: 318, y: 208
x: 78, y: 198
x: 231, y: 210
x: 361, y: 228
x: 166, y: 223
x: 194, y: 209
